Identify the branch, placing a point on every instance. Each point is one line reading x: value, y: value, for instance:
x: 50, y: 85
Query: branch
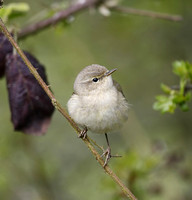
x: 187, y: 87
x: 63, y: 14
x: 147, y: 13
x: 59, y: 16
x: 57, y: 105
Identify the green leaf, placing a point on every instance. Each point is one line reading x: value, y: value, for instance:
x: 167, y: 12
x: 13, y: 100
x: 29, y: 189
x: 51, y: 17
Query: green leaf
x: 189, y: 68
x: 166, y: 88
x: 165, y: 104
x: 183, y: 69
x: 182, y: 99
x: 13, y: 10
x: 184, y: 107
x: 179, y: 68
x: 178, y: 97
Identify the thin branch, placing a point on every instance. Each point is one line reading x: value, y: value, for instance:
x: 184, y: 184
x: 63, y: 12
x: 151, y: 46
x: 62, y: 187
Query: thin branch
x: 147, y: 13
x: 76, y: 8
x: 57, y: 17
x: 187, y: 87
x: 107, y: 169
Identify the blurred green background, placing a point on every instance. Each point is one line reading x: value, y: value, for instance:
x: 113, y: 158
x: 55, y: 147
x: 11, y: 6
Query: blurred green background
x: 156, y: 148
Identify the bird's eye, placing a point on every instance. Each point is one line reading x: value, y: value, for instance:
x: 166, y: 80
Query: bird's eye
x: 95, y: 79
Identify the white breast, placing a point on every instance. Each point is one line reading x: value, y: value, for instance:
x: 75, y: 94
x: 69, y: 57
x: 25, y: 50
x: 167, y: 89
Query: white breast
x: 99, y: 112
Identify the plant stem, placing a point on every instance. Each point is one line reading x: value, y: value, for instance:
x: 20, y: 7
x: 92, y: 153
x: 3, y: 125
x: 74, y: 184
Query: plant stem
x: 76, y: 8
x: 57, y: 17
x: 57, y: 105
x: 147, y: 13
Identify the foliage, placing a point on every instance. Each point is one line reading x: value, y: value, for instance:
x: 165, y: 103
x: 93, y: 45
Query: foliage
x: 176, y: 96
x: 13, y: 10
x: 133, y: 168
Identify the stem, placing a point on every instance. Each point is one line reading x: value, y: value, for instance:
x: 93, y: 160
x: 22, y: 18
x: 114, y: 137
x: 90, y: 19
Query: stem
x: 148, y: 13
x: 57, y: 105
x: 76, y: 8
x: 59, y: 16
x: 187, y: 87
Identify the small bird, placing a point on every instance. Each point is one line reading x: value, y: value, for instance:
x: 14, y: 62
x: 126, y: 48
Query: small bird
x: 98, y: 103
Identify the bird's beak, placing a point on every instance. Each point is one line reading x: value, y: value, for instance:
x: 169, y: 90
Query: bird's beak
x: 108, y: 73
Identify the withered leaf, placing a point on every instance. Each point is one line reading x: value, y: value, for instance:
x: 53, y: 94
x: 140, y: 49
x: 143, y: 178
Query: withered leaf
x: 5, y: 48
x: 31, y: 108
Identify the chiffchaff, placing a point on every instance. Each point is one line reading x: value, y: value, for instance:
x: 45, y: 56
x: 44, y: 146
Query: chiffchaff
x: 98, y: 103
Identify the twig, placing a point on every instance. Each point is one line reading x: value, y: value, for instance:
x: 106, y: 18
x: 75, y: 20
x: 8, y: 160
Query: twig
x: 59, y: 16
x: 187, y: 87
x: 76, y: 8
x: 147, y: 13
x: 107, y: 169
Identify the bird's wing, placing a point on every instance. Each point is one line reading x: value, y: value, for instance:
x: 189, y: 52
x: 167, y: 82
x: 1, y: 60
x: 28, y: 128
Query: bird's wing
x: 118, y: 87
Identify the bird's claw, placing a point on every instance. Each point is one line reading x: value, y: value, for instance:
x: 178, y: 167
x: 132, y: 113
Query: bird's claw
x: 83, y: 133
x: 107, y: 154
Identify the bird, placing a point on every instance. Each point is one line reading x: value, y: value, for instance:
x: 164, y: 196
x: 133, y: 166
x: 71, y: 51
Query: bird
x: 98, y: 103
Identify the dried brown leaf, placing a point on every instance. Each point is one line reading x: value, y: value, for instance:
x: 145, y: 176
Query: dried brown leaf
x: 31, y: 108
x: 5, y: 48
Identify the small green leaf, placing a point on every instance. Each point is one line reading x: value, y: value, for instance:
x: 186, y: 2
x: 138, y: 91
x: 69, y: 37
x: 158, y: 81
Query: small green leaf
x: 183, y: 69
x: 166, y: 88
x: 20, y: 7
x: 189, y: 68
x: 179, y: 68
x: 184, y: 107
x: 13, y: 10
x: 165, y: 104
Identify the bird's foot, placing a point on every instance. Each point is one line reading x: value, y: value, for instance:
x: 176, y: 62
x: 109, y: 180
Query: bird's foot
x: 108, y: 156
x: 83, y: 133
